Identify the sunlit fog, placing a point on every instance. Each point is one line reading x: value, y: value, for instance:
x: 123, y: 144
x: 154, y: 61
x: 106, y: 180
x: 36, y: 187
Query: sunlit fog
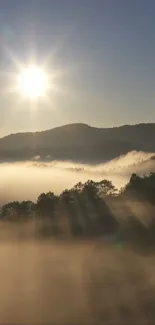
x: 26, y: 180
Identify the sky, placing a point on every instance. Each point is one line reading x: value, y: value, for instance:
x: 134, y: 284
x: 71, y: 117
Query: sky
x: 101, y: 52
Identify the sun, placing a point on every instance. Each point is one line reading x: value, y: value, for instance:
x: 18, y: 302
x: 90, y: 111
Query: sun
x: 32, y: 82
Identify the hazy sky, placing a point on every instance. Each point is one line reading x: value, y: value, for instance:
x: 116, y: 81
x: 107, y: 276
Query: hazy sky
x: 101, y: 51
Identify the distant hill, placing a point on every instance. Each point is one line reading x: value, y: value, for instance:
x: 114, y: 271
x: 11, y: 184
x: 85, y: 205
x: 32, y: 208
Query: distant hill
x: 79, y: 142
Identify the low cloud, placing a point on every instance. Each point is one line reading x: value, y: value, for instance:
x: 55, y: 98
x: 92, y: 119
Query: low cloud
x: 26, y: 180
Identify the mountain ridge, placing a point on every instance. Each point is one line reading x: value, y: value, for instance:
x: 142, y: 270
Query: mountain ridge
x: 82, y: 124
x: 79, y: 141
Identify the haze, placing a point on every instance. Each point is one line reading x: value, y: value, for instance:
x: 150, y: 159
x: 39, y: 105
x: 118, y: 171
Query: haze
x: 26, y: 180
x: 51, y: 283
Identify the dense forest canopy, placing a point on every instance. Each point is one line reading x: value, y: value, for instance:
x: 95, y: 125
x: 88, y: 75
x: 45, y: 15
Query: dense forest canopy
x: 92, y: 209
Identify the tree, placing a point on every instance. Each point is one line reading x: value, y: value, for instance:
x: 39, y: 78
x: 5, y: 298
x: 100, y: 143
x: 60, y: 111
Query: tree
x: 141, y: 187
x: 46, y: 204
x: 26, y: 209
x: 106, y: 188
x: 69, y: 204
x: 96, y: 214
x: 17, y: 210
x: 102, y: 189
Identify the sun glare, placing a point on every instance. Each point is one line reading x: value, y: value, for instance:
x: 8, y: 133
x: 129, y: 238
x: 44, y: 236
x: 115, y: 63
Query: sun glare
x: 33, y: 82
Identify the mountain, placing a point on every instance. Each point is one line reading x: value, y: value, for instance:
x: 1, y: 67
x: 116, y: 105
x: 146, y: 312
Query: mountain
x: 79, y: 142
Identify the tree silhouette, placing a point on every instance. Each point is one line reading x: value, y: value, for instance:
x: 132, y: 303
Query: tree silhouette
x: 17, y: 210
x: 46, y: 204
x: 70, y: 205
x: 88, y: 210
x: 91, y: 200
x: 141, y: 187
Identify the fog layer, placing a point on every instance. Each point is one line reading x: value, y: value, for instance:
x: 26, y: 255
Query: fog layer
x: 26, y: 180
x: 45, y: 283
